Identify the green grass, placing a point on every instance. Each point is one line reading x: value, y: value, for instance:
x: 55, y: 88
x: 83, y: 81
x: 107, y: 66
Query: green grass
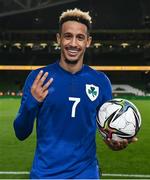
x: 14, y: 155
x: 17, y: 156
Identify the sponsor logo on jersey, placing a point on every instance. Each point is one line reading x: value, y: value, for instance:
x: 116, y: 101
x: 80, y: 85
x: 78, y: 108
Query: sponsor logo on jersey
x: 92, y: 91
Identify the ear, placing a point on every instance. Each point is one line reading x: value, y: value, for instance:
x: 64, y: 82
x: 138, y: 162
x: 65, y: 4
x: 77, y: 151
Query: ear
x: 89, y: 41
x: 58, y: 38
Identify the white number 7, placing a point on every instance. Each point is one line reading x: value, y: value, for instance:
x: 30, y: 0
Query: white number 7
x: 76, y: 101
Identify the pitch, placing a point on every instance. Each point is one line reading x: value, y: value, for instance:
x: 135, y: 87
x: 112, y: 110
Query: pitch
x: 17, y: 156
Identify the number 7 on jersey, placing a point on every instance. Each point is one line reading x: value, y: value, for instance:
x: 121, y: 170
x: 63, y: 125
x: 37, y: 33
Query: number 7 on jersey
x: 74, y: 106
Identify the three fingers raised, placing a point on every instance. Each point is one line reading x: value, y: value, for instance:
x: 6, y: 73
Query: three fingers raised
x: 39, y: 90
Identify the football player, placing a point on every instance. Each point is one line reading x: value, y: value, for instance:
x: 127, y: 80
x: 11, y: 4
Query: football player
x: 63, y: 98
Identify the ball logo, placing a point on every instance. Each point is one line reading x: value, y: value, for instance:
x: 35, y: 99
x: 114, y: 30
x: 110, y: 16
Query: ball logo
x: 92, y: 91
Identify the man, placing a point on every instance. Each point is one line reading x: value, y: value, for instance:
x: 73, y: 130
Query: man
x: 64, y: 97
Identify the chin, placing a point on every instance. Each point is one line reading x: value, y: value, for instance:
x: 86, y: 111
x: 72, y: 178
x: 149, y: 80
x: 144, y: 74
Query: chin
x: 71, y: 61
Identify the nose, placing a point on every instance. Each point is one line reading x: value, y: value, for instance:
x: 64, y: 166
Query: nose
x: 73, y: 42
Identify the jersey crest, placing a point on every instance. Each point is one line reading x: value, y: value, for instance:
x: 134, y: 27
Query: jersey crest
x: 92, y: 91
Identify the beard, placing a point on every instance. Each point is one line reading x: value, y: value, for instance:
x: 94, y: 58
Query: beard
x: 71, y: 62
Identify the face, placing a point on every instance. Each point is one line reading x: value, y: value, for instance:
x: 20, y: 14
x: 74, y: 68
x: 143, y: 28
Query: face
x: 74, y: 40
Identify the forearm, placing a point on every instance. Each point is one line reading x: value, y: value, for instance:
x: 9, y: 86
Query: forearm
x: 23, y: 124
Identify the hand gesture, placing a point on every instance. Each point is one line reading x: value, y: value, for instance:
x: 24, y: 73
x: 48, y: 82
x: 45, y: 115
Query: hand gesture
x: 38, y: 90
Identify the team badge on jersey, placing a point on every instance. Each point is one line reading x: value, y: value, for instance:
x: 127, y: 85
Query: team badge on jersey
x: 92, y: 91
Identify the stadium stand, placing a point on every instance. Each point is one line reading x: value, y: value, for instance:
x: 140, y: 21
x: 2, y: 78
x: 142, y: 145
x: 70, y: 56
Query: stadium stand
x: 126, y: 89
x: 120, y: 38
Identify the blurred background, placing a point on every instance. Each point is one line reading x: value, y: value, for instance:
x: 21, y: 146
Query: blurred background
x: 120, y: 48
x: 121, y: 37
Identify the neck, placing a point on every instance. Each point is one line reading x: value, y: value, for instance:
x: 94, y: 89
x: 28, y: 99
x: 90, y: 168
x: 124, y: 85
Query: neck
x: 72, y: 68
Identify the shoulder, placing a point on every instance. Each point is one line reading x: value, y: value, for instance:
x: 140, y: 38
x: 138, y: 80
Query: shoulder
x: 32, y: 75
x: 49, y: 68
x: 99, y: 75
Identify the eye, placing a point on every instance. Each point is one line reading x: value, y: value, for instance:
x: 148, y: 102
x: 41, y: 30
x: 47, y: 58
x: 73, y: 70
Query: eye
x: 81, y: 37
x: 67, y: 36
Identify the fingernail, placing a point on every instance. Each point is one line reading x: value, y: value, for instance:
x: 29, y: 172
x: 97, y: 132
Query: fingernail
x: 51, y: 79
x: 135, y: 139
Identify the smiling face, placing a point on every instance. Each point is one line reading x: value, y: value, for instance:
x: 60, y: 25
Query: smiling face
x: 74, y: 40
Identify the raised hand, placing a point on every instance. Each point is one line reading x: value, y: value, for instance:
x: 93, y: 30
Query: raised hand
x: 38, y: 90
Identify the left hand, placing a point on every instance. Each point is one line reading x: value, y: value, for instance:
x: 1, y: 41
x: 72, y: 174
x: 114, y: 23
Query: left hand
x: 119, y: 145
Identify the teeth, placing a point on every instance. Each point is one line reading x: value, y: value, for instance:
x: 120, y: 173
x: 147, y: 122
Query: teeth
x: 73, y: 51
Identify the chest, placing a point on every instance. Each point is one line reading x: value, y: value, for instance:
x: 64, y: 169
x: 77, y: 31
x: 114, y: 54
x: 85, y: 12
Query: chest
x: 74, y: 91
x: 69, y: 110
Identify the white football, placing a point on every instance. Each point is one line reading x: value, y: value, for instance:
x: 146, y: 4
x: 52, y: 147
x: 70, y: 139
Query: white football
x: 118, y: 118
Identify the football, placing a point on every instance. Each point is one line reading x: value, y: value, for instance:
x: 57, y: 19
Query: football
x: 117, y: 119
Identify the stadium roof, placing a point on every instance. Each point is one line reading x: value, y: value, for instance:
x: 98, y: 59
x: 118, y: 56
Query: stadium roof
x: 115, y: 22
x: 43, y: 14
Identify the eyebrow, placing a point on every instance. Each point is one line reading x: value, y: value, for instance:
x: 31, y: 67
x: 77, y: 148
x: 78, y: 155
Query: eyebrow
x: 81, y: 34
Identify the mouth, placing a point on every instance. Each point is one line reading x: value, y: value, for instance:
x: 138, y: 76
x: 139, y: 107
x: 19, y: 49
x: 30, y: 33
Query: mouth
x: 72, y: 51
